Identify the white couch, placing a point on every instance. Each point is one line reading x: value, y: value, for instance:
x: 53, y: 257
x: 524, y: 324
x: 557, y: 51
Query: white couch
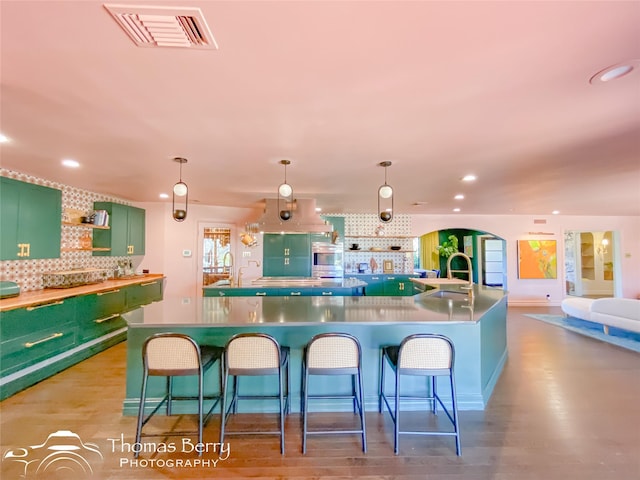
x: 622, y: 313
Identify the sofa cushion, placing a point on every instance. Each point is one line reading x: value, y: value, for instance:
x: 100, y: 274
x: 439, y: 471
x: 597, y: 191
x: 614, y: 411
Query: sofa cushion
x: 577, y: 307
x: 617, y: 307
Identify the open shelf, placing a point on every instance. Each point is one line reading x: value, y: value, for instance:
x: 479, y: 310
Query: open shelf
x: 86, y: 225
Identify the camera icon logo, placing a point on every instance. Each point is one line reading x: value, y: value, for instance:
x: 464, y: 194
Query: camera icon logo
x: 63, y: 455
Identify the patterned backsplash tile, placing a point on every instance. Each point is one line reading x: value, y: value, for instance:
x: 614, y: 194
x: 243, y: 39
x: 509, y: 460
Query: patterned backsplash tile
x: 28, y: 273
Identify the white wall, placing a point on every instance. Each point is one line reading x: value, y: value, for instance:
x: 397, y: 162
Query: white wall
x: 517, y: 227
x: 166, y: 240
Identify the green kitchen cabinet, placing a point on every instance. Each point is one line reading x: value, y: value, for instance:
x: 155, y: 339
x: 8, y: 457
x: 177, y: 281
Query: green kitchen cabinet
x: 127, y: 233
x: 375, y: 285
x: 393, y: 285
x: 143, y: 293
x: 287, y: 255
x: 35, y: 333
x: 398, y: 285
x: 30, y: 220
x: 98, y: 314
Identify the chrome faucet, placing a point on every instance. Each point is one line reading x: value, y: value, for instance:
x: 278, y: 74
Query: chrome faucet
x: 469, y: 286
x: 240, y: 270
x: 231, y: 265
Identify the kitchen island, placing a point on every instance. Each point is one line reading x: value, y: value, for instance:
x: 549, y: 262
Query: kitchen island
x: 476, y: 323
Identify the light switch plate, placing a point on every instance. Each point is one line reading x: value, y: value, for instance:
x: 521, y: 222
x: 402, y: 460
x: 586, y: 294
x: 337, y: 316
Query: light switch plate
x: 186, y: 253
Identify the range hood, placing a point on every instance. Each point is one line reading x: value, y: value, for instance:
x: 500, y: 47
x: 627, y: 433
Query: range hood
x: 304, y: 219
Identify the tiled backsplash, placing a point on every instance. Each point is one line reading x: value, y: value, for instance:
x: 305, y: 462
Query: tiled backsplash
x: 28, y: 273
x: 374, y: 240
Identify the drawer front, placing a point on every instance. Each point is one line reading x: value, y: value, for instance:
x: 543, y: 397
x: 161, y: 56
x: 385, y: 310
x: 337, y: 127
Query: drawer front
x: 34, y: 347
x: 91, y: 328
x: 38, y: 318
x: 143, y: 293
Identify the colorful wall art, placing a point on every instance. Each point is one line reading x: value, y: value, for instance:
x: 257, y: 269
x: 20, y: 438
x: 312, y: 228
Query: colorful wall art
x: 537, y: 259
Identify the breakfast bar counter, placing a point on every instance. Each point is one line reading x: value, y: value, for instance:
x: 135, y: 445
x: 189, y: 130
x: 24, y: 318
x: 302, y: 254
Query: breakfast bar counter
x: 476, y: 322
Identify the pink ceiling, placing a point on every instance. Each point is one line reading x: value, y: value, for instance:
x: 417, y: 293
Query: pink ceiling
x: 441, y: 89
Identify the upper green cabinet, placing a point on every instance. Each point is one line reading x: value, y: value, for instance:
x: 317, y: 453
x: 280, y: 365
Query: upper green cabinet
x: 126, y: 235
x: 286, y: 255
x: 30, y: 220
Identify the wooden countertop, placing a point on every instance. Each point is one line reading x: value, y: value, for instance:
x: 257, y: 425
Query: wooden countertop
x: 47, y: 295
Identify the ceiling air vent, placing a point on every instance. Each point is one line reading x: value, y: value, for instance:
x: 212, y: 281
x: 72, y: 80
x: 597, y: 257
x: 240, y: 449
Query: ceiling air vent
x: 164, y: 26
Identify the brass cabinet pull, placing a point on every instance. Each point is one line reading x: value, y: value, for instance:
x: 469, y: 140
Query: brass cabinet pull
x: 401, y: 286
x: 42, y: 340
x: 107, y: 293
x: 286, y: 251
x: 286, y: 261
x: 25, y: 249
x: 106, y: 319
x: 261, y: 294
x: 29, y: 309
x: 293, y: 294
x: 327, y: 293
x: 148, y: 283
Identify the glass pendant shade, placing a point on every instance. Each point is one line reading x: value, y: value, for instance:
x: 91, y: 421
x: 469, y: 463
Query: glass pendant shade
x: 385, y: 191
x: 285, y: 190
x: 180, y: 189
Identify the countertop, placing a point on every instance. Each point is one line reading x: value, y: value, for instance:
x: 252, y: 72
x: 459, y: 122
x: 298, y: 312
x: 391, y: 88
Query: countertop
x: 447, y: 306
x: 293, y: 282
x: 54, y: 294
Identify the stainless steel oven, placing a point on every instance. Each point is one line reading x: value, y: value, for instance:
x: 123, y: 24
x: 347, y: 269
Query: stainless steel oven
x: 327, y: 260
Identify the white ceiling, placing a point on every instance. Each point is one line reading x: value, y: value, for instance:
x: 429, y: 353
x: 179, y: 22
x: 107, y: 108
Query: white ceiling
x: 441, y: 89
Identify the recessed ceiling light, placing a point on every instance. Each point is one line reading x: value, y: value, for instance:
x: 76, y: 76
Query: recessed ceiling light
x: 3, y: 138
x: 164, y: 195
x: 67, y: 162
x: 459, y: 197
x: 614, y: 72
x: 456, y: 209
x: 555, y: 212
x: 469, y: 178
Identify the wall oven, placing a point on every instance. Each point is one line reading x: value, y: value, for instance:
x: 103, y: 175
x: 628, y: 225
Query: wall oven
x: 327, y: 260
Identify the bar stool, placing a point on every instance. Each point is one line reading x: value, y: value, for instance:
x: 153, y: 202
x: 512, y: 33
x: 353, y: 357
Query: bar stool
x: 333, y: 354
x: 252, y: 354
x: 172, y: 355
x: 427, y: 355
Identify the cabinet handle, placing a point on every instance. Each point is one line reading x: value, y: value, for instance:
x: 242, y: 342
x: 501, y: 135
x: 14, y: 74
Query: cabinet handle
x: 107, y: 293
x: 148, y: 283
x: 327, y: 293
x: 106, y: 319
x: 401, y: 286
x: 28, y: 250
x: 24, y: 249
x: 286, y: 251
x: 294, y: 294
x: 42, y: 340
x: 261, y: 294
x: 286, y: 261
x: 29, y: 309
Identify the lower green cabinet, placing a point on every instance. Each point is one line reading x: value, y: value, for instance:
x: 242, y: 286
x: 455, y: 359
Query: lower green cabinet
x: 143, y: 293
x: 42, y: 339
x: 99, y: 314
x: 393, y: 285
x: 35, y: 333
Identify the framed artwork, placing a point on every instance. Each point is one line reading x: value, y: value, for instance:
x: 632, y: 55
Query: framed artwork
x: 387, y: 266
x: 468, y: 246
x: 537, y: 259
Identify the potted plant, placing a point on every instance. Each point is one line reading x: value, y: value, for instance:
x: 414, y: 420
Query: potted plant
x: 448, y: 247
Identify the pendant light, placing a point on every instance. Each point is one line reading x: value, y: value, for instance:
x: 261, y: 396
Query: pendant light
x: 181, y: 191
x: 285, y: 195
x: 385, y: 197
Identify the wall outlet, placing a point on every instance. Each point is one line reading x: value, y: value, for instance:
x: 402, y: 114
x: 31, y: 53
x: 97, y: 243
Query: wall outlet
x: 548, y: 297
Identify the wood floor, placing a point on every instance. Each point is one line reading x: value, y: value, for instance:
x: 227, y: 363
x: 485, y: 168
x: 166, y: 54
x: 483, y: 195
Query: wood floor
x: 566, y: 407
